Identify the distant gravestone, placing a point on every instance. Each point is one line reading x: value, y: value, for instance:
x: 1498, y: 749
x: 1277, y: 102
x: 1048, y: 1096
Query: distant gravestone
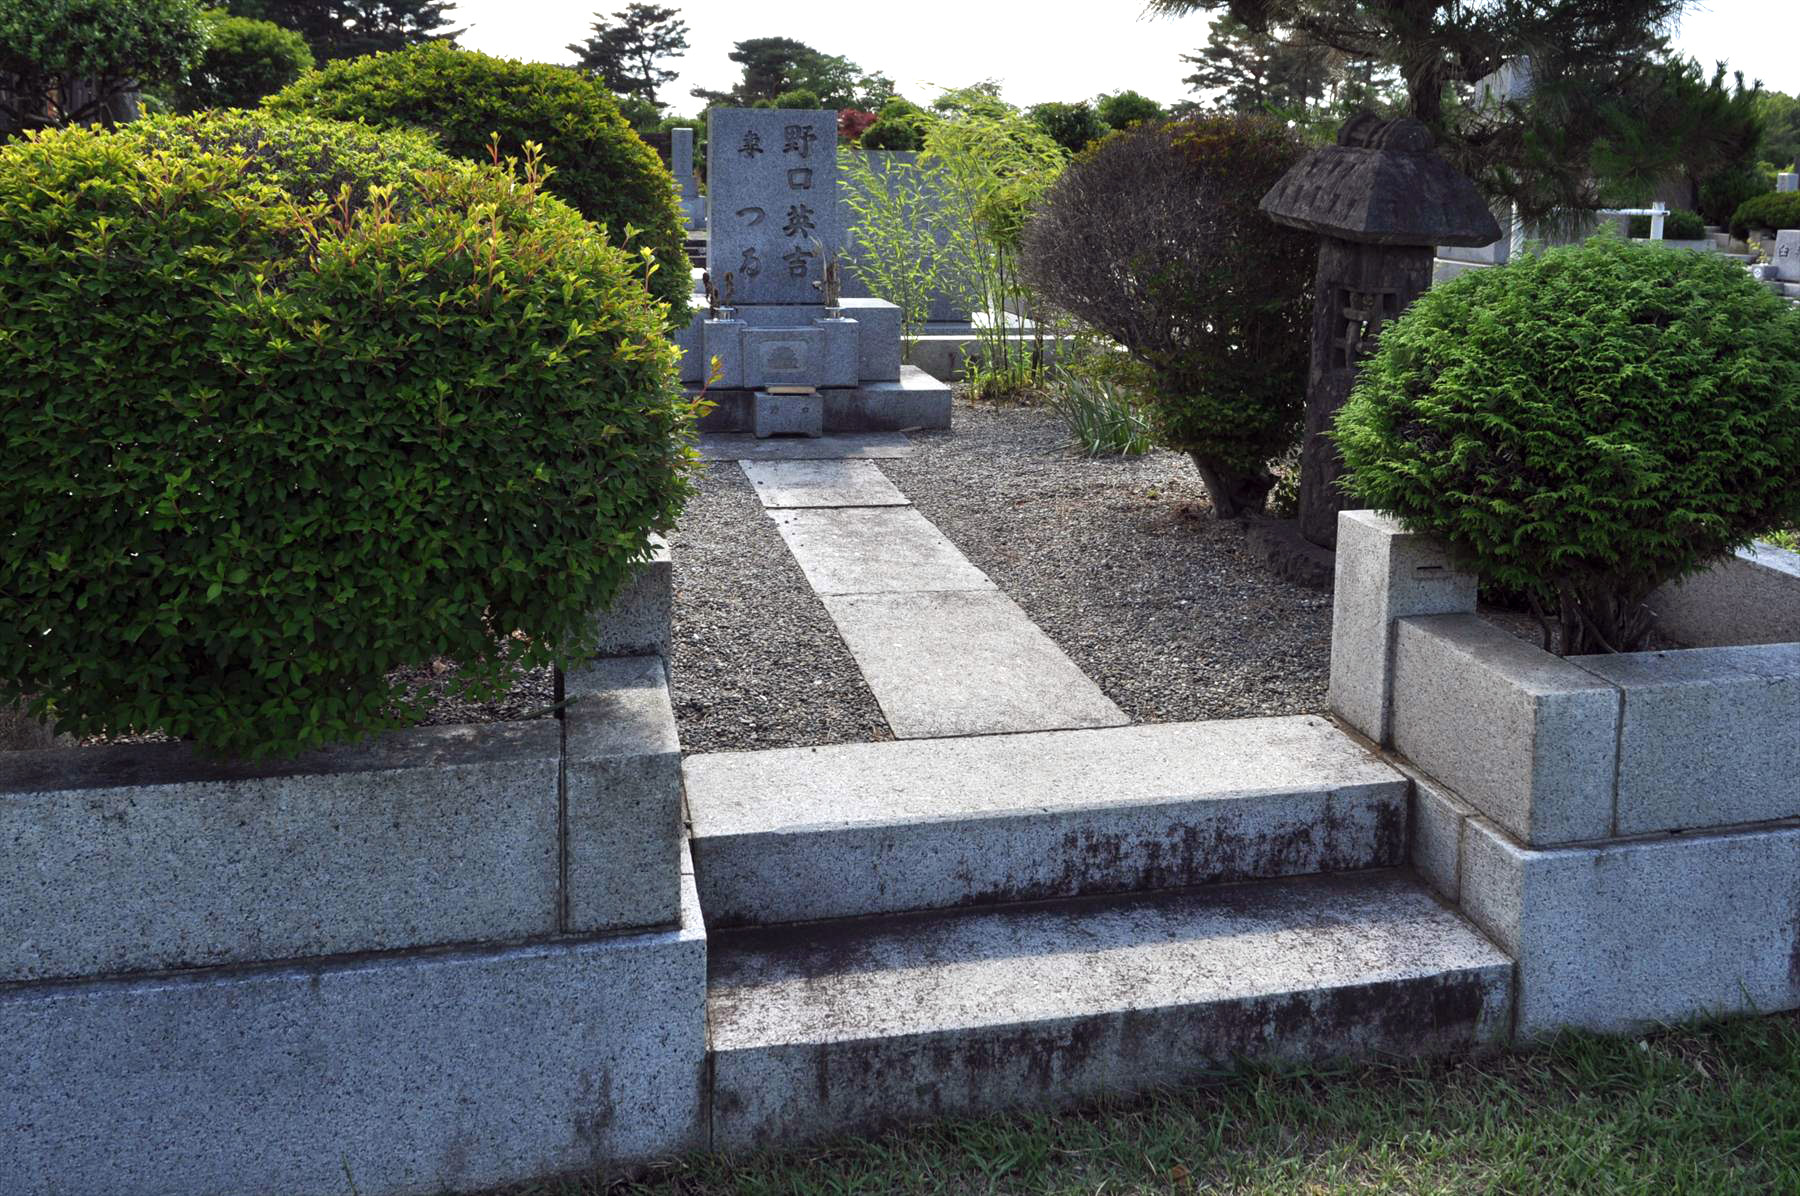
x: 1787, y: 180
x: 1787, y: 255
x: 773, y: 181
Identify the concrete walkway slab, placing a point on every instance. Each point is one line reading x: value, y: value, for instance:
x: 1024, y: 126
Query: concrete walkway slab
x: 875, y: 550
x: 848, y: 483
x: 741, y: 446
x: 964, y: 663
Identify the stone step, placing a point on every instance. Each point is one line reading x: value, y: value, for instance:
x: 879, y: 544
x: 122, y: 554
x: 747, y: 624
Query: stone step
x: 838, y: 1027
x: 1744, y: 258
x: 803, y: 834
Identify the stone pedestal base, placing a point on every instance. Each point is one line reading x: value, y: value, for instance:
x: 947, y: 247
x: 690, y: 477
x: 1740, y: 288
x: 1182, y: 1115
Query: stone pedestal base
x: 787, y: 415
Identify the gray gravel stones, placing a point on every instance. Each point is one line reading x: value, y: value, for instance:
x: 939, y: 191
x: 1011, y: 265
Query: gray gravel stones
x: 758, y: 662
x: 1122, y: 564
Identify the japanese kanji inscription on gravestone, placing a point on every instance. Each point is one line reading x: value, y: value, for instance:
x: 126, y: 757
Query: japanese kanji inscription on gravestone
x: 775, y: 208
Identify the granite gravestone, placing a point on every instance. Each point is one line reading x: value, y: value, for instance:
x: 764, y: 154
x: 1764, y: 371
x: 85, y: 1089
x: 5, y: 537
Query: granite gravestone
x: 776, y: 216
x: 1787, y: 180
x: 681, y: 161
x: 1787, y: 255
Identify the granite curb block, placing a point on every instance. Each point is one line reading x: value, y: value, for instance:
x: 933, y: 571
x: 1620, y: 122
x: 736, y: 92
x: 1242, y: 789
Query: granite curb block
x: 1528, y: 738
x: 1626, y: 935
x: 408, y: 1075
x: 638, y: 621
x: 1382, y: 574
x: 1751, y: 598
x: 144, y: 857
x: 622, y: 813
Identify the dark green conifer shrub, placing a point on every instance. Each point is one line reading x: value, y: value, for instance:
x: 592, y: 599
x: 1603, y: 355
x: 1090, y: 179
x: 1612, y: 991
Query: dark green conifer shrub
x: 600, y: 166
x: 1585, y: 426
x: 1771, y: 212
x: 257, y: 451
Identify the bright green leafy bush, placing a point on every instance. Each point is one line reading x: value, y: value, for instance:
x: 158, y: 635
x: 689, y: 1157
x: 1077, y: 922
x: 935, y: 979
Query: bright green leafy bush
x: 257, y: 452
x: 1774, y: 211
x: 799, y: 98
x: 1153, y: 237
x: 53, y: 50
x: 1679, y: 225
x: 244, y: 61
x: 1585, y: 425
x: 600, y: 165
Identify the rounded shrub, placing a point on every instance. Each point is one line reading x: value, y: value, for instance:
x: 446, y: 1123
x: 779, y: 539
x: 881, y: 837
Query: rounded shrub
x: 1585, y: 426
x: 1770, y: 213
x: 1153, y: 237
x: 111, y: 46
x: 258, y: 450
x: 600, y: 166
x: 244, y: 61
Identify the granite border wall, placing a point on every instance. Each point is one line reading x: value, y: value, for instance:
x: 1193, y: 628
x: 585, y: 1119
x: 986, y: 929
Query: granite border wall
x: 1626, y: 826
x: 446, y: 959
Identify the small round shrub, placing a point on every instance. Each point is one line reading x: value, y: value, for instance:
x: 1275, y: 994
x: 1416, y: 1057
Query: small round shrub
x: 1771, y: 212
x: 244, y: 61
x: 258, y: 451
x: 1585, y: 426
x: 1154, y: 238
x: 799, y: 98
x: 601, y: 167
x: 1678, y: 225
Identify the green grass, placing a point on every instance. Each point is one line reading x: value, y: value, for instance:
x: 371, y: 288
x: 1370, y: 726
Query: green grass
x: 1710, y: 1110
x: 1786, y: 538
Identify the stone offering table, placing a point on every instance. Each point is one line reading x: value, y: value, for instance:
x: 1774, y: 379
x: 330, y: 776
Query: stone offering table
x: 772, y: 342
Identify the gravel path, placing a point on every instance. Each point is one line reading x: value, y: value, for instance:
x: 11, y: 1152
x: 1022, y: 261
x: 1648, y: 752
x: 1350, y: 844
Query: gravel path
x: 1120, y: 561
x: 758, y: 662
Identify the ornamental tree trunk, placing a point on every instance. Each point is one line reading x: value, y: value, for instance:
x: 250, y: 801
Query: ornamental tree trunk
x: 1233, y: 494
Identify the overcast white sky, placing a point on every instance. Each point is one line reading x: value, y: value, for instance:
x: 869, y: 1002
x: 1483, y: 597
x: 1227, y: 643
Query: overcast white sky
x: 1040, y: 49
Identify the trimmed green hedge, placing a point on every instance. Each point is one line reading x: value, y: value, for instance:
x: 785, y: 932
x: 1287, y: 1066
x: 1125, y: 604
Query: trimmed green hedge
x: 1679, y: 225
x: 1585, y: 425
x: 1776, y: 210
x: 600, y: 165
x: 258, y: 451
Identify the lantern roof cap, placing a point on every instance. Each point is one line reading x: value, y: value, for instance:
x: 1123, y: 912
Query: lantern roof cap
x: 1383, y: 183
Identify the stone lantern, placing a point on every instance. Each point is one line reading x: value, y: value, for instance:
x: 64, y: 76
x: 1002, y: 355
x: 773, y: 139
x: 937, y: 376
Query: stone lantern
x: 1381, y: 200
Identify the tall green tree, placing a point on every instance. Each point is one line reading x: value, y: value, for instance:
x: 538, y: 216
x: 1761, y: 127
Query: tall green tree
x: 1686, y: 126
x: 1072, y: 126
x: 773, y: 66
x: 1243, y: 69
x: 1781, y: 129
x: 350, y: 28
x: 626, y: 51
x: 1588, y: 60
x: 1122, y: 109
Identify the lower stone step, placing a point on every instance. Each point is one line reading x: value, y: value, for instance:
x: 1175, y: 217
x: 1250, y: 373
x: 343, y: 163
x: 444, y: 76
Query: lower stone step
x: 838, y: 1027
x: 802, y: 834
